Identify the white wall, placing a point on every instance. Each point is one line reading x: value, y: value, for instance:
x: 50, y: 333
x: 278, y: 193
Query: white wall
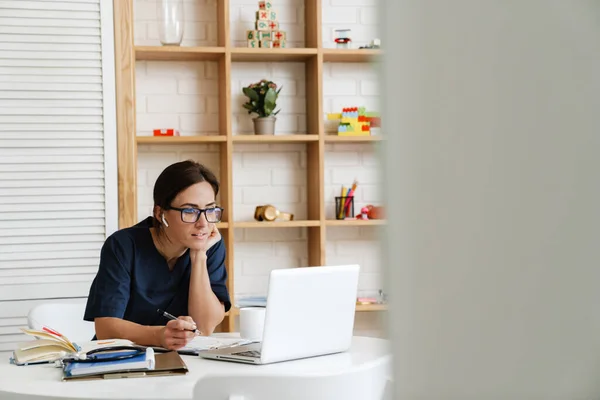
x: 494, y: 165
x: 185, y: 95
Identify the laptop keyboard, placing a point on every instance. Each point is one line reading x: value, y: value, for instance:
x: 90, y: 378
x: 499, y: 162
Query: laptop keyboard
x: 249, y: 353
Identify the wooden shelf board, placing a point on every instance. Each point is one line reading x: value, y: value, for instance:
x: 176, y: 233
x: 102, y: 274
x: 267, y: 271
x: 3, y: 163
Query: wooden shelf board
x: 223, y: 225
x: 371, y: 307
x: 286, y: 55
x: 280, y: 224
x: 353, y: 139
x: 180, y: 139
x: 178, y: 53
x: 355, y: 222
x: 351, y: 55
x: 298, y: 138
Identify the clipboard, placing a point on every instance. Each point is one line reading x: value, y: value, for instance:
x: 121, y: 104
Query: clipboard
x: 166, y: 364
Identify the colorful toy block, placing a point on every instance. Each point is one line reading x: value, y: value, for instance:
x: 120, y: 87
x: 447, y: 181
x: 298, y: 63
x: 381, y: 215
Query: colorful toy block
x: 262, y: 15
x: 262, y: 26
x: 355, y: 121
x: 264, y: 35
x: 266, y: 32
x: 278, y: 35
x: 264, y: 5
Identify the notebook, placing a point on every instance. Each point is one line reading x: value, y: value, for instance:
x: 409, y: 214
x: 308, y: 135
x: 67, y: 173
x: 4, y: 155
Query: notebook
x: 204, y: 343
x: 51, y: 345
x: 142, y: 362
x: 165, y: 364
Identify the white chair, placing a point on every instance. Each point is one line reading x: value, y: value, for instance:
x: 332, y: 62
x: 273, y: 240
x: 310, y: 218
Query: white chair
x: 367, y: 382
x: 66, y: 318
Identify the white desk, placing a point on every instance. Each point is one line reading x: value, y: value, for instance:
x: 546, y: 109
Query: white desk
x: 44, y: 381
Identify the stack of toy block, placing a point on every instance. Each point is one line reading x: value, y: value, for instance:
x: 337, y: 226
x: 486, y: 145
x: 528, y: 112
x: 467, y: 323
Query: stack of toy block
x: 266, y: 31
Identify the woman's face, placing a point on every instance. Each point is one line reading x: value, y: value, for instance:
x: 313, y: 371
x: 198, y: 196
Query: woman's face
x: 191, y: 235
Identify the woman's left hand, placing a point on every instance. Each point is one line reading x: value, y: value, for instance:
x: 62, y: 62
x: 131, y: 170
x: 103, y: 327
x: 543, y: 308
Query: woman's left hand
x: 213, y: 238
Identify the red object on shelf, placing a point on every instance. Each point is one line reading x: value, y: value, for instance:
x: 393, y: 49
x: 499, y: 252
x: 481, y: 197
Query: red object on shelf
x: 343, y: 40
x: 166, y: 132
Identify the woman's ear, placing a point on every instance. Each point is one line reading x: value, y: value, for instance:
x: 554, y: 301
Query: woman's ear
x: 157, y: 212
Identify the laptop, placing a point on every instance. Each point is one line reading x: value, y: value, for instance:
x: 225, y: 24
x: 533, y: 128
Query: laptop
x: 310, y: 312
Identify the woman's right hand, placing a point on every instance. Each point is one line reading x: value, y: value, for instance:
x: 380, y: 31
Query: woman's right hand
x: 177, y: 333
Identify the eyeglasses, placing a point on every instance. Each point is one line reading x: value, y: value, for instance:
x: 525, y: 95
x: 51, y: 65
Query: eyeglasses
x: 191, y: 215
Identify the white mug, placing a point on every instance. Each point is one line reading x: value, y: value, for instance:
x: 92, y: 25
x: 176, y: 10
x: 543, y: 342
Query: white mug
x: 252, y: 322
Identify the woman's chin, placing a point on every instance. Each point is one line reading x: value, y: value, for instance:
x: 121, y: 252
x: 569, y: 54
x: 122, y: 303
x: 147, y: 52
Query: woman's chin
x: 197, y: 244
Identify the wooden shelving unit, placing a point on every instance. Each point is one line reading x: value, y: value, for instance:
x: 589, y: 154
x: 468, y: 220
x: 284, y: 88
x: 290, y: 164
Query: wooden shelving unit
x: 180, y: 139
x: 276, y: 224
x: 351, y: 55
x: 300, y: 138
x: 313, y: 56
x: 371, y: 307
x: 158, y: 53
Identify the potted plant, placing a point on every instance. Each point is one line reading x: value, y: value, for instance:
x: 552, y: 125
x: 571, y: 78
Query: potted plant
x: 262, y: 100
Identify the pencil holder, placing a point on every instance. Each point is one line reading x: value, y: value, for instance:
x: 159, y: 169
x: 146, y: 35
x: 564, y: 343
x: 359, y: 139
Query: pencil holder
x: 344, y: 207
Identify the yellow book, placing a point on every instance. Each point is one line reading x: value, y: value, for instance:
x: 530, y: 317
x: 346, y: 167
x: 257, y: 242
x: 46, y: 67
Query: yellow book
x: 50, y: 346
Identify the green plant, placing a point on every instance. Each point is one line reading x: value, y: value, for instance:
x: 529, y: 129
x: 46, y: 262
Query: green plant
x: 262, y: 98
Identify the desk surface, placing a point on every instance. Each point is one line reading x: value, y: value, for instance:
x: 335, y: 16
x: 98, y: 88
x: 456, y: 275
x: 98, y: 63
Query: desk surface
x: 44, y: 381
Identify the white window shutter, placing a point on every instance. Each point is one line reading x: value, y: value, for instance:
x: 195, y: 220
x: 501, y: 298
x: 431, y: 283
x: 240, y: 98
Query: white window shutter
x: 58, y: 172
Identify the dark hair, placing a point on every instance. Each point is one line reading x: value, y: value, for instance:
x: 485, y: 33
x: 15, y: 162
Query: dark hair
x: 178, y: 177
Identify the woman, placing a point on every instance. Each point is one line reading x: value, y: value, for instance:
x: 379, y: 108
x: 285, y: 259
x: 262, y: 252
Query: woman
x: 173, y: 261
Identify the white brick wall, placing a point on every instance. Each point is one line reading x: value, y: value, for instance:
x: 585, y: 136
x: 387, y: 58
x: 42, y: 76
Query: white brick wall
x: 184, y: 95
x: 180, y: 95
x: 360, y: 16
x: 361, y: 246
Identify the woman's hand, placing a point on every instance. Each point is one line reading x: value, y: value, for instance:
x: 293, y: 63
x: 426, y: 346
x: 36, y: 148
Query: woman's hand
x: 177, y: 333
x: 213, y: 238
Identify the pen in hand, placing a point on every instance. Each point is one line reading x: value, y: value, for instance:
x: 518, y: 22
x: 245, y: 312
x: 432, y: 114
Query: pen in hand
x: 172, y: 317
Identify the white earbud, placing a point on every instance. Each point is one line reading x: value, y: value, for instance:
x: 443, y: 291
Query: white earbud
x: 164, y: 221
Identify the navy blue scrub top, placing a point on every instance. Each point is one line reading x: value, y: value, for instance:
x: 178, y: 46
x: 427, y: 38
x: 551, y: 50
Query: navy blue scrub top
x: 134, y: 279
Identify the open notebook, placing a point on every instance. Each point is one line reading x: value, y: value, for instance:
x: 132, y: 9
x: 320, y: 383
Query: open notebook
x: 203, y: 343
x: 51, y: 345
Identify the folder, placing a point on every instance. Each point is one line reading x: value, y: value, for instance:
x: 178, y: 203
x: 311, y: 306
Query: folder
x: 165, y: 364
